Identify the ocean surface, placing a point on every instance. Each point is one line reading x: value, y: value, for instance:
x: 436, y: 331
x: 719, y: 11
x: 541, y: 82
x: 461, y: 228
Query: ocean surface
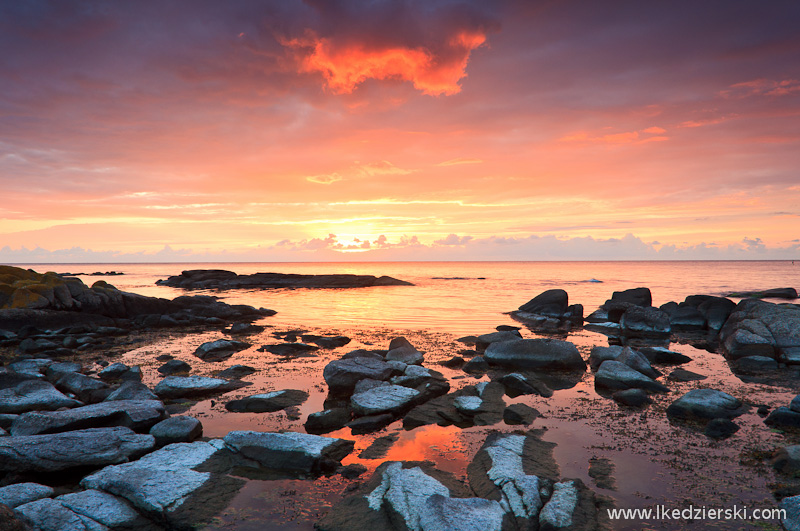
x: 653, y: 461
x: 454, y: 297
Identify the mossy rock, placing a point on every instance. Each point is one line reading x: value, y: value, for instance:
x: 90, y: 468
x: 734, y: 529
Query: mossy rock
x: 102, y: 284
x: 6, y: 293
x: 25, y: 298
x: 17, y: 273
x: 44, y: 290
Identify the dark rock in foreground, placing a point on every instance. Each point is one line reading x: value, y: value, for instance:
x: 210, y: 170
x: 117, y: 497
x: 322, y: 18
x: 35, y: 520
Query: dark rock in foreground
x: 268, y: 402
x: 221, y: 279
x: 541, y: 354
x: 134, y: 414
x: 219, y: 350
x: 774, y: 293
x: 705, y: 405
x: 189, y: 386
x: 289, y: 451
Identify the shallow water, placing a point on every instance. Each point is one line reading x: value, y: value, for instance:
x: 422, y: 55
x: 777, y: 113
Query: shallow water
x: 654, y: 461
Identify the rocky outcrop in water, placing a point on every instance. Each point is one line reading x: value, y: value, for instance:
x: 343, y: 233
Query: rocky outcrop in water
x: 760, y: 328
x: 221, y: 279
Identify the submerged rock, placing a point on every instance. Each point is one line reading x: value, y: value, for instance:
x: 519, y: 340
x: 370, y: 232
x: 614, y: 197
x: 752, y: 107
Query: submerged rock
x: 704, y: 405
x: 189, y: 386
x: 220, y: 349
x: 268, y: 402
x: 542, y: 354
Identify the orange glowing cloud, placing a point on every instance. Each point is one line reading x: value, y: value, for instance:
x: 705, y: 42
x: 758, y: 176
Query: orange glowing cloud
x: 346, y: 66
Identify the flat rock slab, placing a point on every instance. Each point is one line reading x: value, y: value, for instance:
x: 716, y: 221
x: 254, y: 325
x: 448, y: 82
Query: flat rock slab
x: 704, y: 405
x: 181, y: 429
x: 220, y: 349
x: 34, y: 395
x: 383, y: 399
x: 105, y: 509
x: 289, y: 349
x: 22, y: 493
x: 190, y: 386
x: 289, y: 451
x: 62, y: 451
x: 342, y: 375
x: 138, y: 415
x: 541, y: 354
x: 221, y: 279
x: 615, y: 375
x: 268, y: 402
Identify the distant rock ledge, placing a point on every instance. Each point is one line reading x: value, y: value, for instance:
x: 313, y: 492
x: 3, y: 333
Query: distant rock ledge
x: 221, y: 279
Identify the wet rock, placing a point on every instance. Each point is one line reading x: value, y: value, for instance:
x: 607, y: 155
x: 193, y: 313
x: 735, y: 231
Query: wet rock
x: 400, y: 349
x: 519, y: 414
x: 131, y: 390
x: 289, y: 349
x: 664, y: 356
x: 632, y: 397
x: 774, y: 293
x: 720, y: 428
x: 220, y: 349
x: 10, y: 522
x: 136, y: 415
x: 553, y: 302
x: 326, y: 342
x: 600, y: 354
x: 383, y: 399
x: 789, y: 355
x: 637, y: 296
x: 614, y: 375
x: 33, y: 367
x: 483, y: 341
x: 783, y: 418
x: 61, y: 451
x: 50, y: 515
x: 638, y: 321
x: 327, y: 420
x: 352, y: 471
x: 56, y: 371
x: 542, y: 354
x: 601, y: 470
x: 686, y: 318
x: 682, y: 375
x: 105, y: 509
x: 786, y: 461
x: 289, y: 451
x: 244, y: 329
x: 792, y: 507
x: 117, y: 371
x: 268, y: 402
x: 477, y: 365
x: 704, y: 405
x: 756, y: 364
x: 33, y: 395
x: 166, y: 486
x: 517, y: 384
x: 342, y: 375
x: 181, y: 429
x: 237, y: 371
x: 174, y: 367
x: 638, y: 362
x: 759, y: 328
x: 22, y: 493
x: 87, y: 389
x: 456, y: 362
x: 190, y: 386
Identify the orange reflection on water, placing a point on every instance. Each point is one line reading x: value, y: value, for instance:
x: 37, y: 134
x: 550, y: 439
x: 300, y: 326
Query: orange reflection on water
x: 428, y: 443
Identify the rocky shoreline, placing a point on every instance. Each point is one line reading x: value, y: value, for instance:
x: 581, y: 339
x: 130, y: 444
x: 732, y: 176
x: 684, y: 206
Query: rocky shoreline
x: 88, y: 442
x: 220, y: 279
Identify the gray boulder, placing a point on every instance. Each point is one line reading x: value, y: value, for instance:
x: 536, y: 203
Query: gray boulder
x: 237, y: 371
x: 342, y: 375
x: 645, y: 321
x: 637, y: 361
x: 756, y: 364
x: 553, y: 302
x: 792, y: 507
x: 687, y: 318
x: 519, y: 414
x: 600, y: 354
x: 541, y: 354
x: 484, y: 340
x: 326, y: 342
x: 615, y: 375
x: 268, y: 402
x: 637, y: 296
x: 783, y: 418
x: 443, y: 513
x: 704, y: 405
x: 220, y: 349
x: 664, y: 356
x: 33, y: 395
x: 87, y: 389
x: 134, y: 414
x: 55, y: 371
x: 517, y: 384
x: 181, y: 429
x: 174, y: 367
x: 105, y: 509
x: 400, y: 349
x: 120, y: 371
x: 131, y: 390
x: 759, y: 328
x: 62, y: 451
x: 327, y: 420
x: 190, y: 386
x: 289, y: 451
x: 22, y: 493
x: 383, y: 399
x: 50, y: 515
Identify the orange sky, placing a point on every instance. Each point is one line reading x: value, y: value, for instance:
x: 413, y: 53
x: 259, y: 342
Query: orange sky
x: 295, y: 131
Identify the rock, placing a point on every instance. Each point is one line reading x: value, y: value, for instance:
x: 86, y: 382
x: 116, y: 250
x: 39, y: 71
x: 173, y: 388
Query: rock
x: 62, y: 451
x: 166, y: 487
x: 342, y: 375
x: 181, y: 429
x: 131, y: 390
x: 136, y: 415
x: 781, y: 418
x: 51, y: 515
x: 794, y: 405
x: 22, y: 493
x: 456, y: 362
x: 237, y: 371
x: 352, y: 471
x: 106, y: 509
x: 637, y: 296
x: 10, y: 522
x: 759, y: 328
x: 790, y: 355
x: 553, y: 302
x: 705, y: 404
x: 542, y: 354
x: 220, y: 349
x: 614, y: 375
x: 189, y: 386
x: 644, y: 321
x: 756, y: 364
x: 774, y: 293
x: 268, y: 402
x: 638, y: 362
x: 174, y: 367
x: 289, y: 451
x: 720, y: 428
x: 56, y: 370
x: 786, y: 461
x: 632, y: 397
x: 687, y: 318
x: 327, y: 420
x: 87, y: 389
x: 33, y: 367
x: 289, y: 349
x: 483, y: 341
x: 117, y: 371
x: 400, y: 349
x: 600, y: 354
x: 477, y: 365
x: 519, y: 414
x: 461, y: 514
x: 682, y: 375
x: 33, y: 395
x: 326, y: 342
x: 663, y: 356
x: 517, y: 384
x: 716, y: 310
x: 383, y: 399
x: 244, y: 329
x: 792, y: 508
x: 221, y: 279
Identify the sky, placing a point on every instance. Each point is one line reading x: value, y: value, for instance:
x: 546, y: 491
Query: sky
x: 314, y: 130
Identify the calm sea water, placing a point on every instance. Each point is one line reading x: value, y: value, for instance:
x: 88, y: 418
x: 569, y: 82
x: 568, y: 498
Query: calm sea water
x: 455, y: 297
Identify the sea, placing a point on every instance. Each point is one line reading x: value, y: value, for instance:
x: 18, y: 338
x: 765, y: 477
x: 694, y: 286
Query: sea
x: 632, y: 459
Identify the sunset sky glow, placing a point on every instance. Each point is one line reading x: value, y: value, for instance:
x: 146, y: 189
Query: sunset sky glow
x: 399, y: 130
